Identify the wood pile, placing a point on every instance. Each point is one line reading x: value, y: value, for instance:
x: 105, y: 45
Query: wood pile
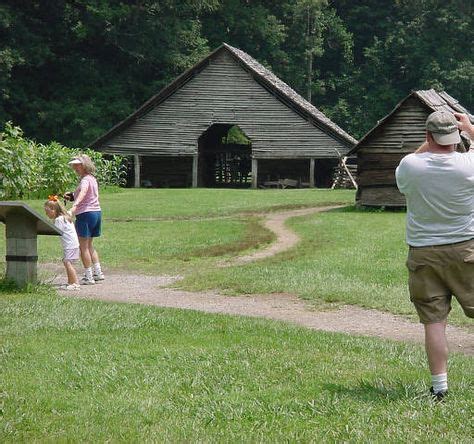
x: 345, y: 175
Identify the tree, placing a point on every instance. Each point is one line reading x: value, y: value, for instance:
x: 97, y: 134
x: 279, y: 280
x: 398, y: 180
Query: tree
x: 71, y: 69
x: 79, y: 66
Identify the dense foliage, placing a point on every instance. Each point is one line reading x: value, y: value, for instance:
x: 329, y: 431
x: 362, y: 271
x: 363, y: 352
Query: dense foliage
x: 29, y: 169
x: 70, y: 69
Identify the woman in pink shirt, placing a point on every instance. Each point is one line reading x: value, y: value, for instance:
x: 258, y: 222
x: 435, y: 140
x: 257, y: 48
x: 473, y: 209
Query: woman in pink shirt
x: 88, y: 214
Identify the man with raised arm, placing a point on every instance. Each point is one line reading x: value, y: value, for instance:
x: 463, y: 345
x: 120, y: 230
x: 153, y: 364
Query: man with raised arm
x: 438, y: 184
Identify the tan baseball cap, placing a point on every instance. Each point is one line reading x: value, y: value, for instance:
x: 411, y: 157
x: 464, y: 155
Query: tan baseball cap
x: 443, y: 127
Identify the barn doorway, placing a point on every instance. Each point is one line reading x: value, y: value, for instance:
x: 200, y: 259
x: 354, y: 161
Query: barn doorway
x: 224, y: 157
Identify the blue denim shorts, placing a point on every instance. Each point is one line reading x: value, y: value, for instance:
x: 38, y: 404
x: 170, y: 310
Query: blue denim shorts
x: 89, y: 224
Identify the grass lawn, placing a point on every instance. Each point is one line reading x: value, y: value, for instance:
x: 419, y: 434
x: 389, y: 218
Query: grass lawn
x: 177, y: 247
x: 204, y: 202
x: 184, y: 230
x: 346, y: 256
x: 87, y: 371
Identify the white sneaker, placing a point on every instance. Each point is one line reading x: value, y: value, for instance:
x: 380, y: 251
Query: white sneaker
x: 99, y: 276
x: 70, y: 287
x: 86, y: 281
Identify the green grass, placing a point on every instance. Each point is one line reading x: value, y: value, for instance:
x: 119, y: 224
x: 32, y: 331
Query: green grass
x: 346, y: 256
x: 202, y: 202
x: 165, y: 246
x: 86, y: 371
x: 75, y: 370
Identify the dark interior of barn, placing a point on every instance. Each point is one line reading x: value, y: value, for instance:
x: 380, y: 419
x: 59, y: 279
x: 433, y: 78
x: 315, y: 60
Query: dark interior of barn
x: 297, y: 171
x: 224, y: 161
x: 162, y: 172
x: 224, y: 158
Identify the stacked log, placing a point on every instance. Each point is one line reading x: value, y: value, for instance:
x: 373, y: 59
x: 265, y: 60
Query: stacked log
x: 345, y: 176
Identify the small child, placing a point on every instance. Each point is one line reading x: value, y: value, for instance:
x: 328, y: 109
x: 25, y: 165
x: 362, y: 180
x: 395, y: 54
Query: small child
x: 57, y: 212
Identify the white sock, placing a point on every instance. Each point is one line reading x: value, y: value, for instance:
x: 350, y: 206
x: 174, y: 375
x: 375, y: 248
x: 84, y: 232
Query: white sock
x: 440, y: 382
x: 88, y: 273
x: 97, y: 269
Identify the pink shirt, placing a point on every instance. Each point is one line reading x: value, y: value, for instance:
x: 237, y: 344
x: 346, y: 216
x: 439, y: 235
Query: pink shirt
x: 90, y: 202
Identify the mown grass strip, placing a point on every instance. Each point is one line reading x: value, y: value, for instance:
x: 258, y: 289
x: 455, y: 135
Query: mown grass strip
x: 75, y: 370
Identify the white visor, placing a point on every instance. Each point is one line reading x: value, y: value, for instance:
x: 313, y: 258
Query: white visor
x: 75, y: 162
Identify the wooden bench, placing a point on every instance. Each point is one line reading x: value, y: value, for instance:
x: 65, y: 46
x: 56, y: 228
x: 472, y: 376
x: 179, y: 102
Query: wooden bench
x: 23, y: 225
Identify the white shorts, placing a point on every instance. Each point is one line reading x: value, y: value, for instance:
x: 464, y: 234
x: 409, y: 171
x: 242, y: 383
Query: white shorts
x: 71, y: 254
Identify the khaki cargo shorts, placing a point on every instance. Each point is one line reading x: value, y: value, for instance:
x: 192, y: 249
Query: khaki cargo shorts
x: 438, y: 273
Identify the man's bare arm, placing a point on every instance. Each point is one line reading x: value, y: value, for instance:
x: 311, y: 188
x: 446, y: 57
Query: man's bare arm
x: 465, y: 124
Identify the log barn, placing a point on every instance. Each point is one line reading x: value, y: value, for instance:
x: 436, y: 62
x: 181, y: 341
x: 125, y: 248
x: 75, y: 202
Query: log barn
x: 227, y: 122
x: 399, y: 133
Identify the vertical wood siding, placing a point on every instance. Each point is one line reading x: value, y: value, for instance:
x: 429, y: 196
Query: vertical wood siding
x: 224, y: 92
x: 380, y: 154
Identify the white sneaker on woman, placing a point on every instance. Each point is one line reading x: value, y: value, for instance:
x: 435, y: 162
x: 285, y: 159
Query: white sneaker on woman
x: 99, y: 276
x: 87, y: 281
x: 70, y: 287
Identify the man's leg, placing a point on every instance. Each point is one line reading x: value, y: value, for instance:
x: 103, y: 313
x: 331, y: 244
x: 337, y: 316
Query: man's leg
x: 437, y: 351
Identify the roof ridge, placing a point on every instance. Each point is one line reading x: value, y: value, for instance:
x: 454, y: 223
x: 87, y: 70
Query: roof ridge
x: 434, y: 100
x: 256, y: 67
x: 287, y: 90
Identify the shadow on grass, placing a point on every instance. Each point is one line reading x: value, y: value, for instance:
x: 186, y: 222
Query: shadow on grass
x: 255, y: 236
x: 9, y: 286
x: 365, y: 210
x: 373, y: 391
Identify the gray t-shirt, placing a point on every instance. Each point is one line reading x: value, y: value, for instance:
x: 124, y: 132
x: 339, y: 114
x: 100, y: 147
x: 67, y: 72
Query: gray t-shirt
x: 439, y: 189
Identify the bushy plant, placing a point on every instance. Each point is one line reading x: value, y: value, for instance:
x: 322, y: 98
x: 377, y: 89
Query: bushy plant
x: 29, y: 169
x: 56, y: 175
x: 19, y: 165
x: 111, y: 170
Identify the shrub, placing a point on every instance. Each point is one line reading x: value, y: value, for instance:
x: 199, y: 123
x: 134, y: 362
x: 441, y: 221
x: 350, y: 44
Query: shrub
x: 19, y: 165
x: 111, y: 170
x: 29, y: 169
x: 56, y: 175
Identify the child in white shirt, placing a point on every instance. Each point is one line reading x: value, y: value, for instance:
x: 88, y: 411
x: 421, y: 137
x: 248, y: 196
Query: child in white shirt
x: 56, y: 211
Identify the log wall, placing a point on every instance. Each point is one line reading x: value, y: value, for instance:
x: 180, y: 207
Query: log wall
x: 224, y: 92
x: 379, y: 155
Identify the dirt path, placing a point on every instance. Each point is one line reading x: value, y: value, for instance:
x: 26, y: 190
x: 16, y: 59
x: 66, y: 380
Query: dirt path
x: 285, y: 237
x: 150, y: 290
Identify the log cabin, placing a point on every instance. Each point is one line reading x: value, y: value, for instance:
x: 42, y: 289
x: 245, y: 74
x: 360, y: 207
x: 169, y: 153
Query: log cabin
x: 399, y: 133
x: 227, y: 122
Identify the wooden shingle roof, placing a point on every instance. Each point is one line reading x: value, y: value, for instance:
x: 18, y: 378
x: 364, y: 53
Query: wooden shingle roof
x: 278, y: 85
x: 261, y: 74
x: 432, y: 99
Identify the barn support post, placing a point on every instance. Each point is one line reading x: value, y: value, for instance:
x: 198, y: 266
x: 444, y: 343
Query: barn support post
x: 195, y: 170
x: 254, y: 173
x: 136, y: 165
x: 311, y: 172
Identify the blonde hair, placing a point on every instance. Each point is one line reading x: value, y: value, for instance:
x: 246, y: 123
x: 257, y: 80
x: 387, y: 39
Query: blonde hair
x: 87, y: 163
x: 58, y: 208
